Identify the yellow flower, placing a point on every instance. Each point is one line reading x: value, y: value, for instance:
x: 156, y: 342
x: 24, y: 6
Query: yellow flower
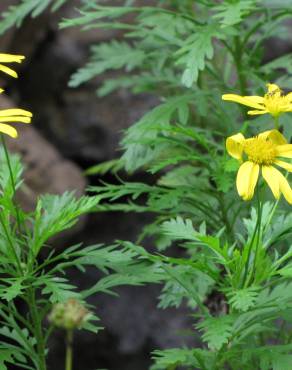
x: 261, y: 152
x: 9, y: 58
x: 273, y: 102
x: 13, y: 115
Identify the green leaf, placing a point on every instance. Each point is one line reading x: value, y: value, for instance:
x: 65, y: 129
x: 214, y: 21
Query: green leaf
x: 58, y: 289
x: 174, y: 357
x: 217, y: 331
x: 7, y: 356
x: 112, y: 166
x: 283, y: 62
x: 139, y: 139
x: 56, y: 213
x: 92, y: 13
x: 282, y: 362
x: 20, y: 338
x: 15, y: 288
x: 286, y: 271
x: 196, y: 50
x: 6, y: 186
x: 15, y: 14
x: 231, y: 13
x: 138, y: 275
x: 107, y: 56
x: 173, y: 292
x: 243, y: 299
x: 180, y: 229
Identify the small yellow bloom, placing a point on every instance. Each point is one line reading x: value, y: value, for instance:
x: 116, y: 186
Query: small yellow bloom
x: 273, y: 102
x: 261, y: 152
x: 13, y: 115
x: 9, y: 58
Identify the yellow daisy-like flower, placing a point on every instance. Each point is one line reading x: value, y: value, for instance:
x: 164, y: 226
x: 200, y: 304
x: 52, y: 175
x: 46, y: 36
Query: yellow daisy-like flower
x: 273, y: 102
x: 261, y: 152
x: 13, y: 115
x: 10, y: 58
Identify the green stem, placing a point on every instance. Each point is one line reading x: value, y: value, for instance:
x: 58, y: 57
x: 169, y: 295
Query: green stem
x: 238, y: 63
x: 69, y: 350
x: 12, y: 181
x: 272, y: 213
x: 256, y: 230
x: 225, y: 219
x: 260, y: 208
x: 10, y: 243
x: 273, y: 210
x: 38, y: 332
x: 276, y: 120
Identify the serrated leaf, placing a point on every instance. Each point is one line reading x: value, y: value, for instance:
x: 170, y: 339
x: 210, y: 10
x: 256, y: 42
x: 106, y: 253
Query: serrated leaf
x: 174, y: 357
x: 231, y: 13
x: 139, y: 139
x: 195, y: 51
x: 59, y: 290
x: 15, y: 14
x: 179, y: 229
x: 16, y: 287
x: 243, y: 299
x: 107, y: 56
x: 56, y: 213
x: 217, y: 331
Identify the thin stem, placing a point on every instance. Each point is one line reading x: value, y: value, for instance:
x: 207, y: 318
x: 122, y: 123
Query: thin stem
x: 10, y: 243
x: 273, y: 209
x: 276, y: 120
x: 69, y: 350
x: 260, y: 207
x: 12, y: 181
x: 237, y: 59
x: 272, y: 213
x: 37, y: 330
x: 256, y: 229
x: 225, y: 219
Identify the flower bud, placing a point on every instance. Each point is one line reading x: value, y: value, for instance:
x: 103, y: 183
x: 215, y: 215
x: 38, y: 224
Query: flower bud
x: 69, y: 315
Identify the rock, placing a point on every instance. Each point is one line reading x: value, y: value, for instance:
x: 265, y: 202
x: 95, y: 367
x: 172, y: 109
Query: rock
x: 46, y: 171
x: 83, y: 127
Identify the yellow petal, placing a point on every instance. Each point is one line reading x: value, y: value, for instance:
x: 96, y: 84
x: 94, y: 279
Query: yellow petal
x: 273, y: 135
x: 9, y: 130
x: 246, y: 180
x: 272, y: 88
x: 10, y: 58
x: 256, y: 112
x: 285, y: 187
x: 287, y: 166
x: 234, y: 145
x: 289, y: 96
x: 250, y: 101
x: 16, y: 119
x: 272, y: 180
x: 288, y: 108
x: 15, y: 112
x: 284, y: 151
x: 8, y: 71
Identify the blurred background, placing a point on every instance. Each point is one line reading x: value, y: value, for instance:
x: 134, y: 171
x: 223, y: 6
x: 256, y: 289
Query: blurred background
x: 72, y: 130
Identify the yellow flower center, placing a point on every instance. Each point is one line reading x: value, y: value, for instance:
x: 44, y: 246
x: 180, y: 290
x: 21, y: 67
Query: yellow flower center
x: 260, y: 151
x: 275, y: 102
